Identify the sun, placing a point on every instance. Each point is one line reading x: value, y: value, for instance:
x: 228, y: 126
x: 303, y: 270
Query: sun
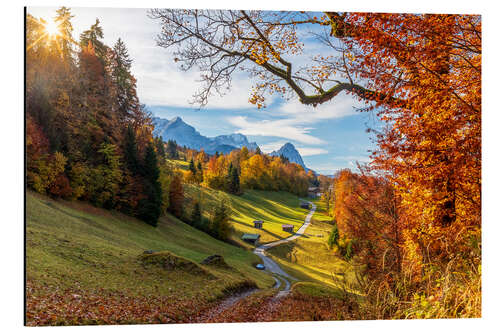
x: 52, y: 28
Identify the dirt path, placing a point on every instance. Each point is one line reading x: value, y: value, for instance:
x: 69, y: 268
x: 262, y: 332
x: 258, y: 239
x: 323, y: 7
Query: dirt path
x: 271, y: 265
x: 214, y: 312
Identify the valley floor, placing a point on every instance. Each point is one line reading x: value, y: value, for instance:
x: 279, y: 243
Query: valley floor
x: 85, y: 266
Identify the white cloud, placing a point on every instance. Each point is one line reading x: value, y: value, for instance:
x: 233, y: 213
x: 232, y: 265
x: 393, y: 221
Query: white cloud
x: 297, y: 120
x: 282, y: 128
x: 310, y: 151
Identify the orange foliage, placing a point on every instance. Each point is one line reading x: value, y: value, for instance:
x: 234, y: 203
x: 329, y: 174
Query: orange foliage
x: 426, y: 70
x: 366, y: 212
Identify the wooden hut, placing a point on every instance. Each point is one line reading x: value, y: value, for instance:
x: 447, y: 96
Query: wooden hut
x: 258, y: 224
x: 287, y: 227
x: 314, y: 192
x: 251, y: 238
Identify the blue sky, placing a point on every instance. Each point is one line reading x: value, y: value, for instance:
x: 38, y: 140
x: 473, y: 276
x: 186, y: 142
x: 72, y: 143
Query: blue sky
x: 329, y: 137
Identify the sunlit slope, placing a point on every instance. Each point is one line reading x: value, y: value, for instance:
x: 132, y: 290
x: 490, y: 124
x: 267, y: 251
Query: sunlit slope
x: 274, y: 208
x: 309, y: 259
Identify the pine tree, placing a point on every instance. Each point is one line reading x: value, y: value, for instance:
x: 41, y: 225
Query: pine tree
x: 63, y: 21
x: 171, y: 150
x: 233, y: 180
x: 199, y: 172
x: 150, y: 208
x: 160, y: 148
x: 284, y: 159
x: 124, y: 81
x: 93, y: 37
x: 258, y: 151
x: 192, y: 167
x: 130, y: 151
x: 220, y: 227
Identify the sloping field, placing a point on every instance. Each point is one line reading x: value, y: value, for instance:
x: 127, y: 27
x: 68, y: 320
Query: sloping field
x: 274, y: 208
x: 309, y: 258
x: 77, y: 249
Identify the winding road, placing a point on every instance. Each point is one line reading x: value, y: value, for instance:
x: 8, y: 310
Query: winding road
x: 271, y: 265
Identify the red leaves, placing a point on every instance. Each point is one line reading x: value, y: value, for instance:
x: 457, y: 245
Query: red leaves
x: 265, y: 307
x: 432, y: 147
x: 48, y: 306
x: 60, y: 188
x: 36, y: 141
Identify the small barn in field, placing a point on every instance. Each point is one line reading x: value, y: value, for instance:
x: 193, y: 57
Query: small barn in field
x: 251, y: 238
x: 304, y: 205
x: 314, y: 192
x: 287, y: 227
x: 258, y: 224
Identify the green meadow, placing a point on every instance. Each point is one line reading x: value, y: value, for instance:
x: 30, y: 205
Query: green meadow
x: 274, y: 208
x: 74, y: 244
x: 309, y: 258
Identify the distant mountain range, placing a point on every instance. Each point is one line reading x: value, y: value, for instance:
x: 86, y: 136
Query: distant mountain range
x: 186, y: 135
x: 288, y: 150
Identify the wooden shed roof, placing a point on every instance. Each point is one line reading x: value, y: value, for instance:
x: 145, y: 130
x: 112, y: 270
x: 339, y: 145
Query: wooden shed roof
x: 250, y: 236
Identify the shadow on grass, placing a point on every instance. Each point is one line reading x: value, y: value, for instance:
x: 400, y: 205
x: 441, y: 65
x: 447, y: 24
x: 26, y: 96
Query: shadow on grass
x: 257, y: 230
x: 268, y: 211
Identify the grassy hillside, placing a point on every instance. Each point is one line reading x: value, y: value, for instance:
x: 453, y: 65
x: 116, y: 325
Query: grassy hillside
x: 274, y: 208
x: 76, y: 249
x: 178, y: 164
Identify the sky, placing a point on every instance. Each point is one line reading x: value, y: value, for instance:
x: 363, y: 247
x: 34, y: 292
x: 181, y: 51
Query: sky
x: 329, y: 137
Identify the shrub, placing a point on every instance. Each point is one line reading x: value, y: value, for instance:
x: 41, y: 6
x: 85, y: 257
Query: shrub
x: 220, y: 227
x: 60, y: 187
x: 334, y: 236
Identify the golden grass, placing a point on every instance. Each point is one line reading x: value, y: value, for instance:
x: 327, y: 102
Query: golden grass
x: 274, y: 208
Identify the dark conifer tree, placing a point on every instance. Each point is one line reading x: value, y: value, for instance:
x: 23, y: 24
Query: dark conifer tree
x: 171, y: 150
x: 235, y: 181
x: 63, y: 21
x: 232, y: 180
x: 94, y: 36
x: 160, y: 148
x: 150, y: 208
x: 192, y: 167
x: 199, y: 172
x: 130, y: 151
x: 220, y: 227
x: 124, y: 81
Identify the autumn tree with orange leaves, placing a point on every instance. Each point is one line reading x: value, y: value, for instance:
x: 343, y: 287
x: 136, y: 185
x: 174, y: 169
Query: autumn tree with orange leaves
x: 419, y: 73
x: 87, y: 135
